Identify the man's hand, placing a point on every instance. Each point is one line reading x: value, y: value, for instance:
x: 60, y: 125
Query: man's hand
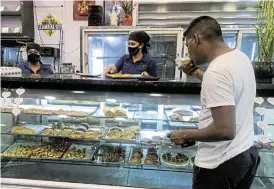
x: 177, y: 137
x: 144, y: 74
x: 189, y: 68
x: 110, y: 69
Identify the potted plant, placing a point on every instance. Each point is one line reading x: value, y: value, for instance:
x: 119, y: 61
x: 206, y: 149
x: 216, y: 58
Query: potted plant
x: 264, y: 67
x: 128, y: 7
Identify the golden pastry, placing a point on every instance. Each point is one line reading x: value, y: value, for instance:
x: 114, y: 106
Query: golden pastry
x: 134, y: 129
x: 135, y: 160
x: 23, y: 130
x: 114, y: 135
x: 127, y: 136
x: 89, y: 135
x: 108, y: 112
x: 117, y: 75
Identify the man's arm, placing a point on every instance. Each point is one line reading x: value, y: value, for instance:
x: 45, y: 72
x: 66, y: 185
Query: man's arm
x: 218, y: 91
x: 224, y: 127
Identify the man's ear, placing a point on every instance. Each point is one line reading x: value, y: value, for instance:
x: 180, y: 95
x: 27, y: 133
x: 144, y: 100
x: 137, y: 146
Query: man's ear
x: 197, y: 39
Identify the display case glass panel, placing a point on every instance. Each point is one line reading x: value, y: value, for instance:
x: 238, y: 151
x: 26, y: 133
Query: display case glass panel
x: 79, y: 127
x: 249, y: 45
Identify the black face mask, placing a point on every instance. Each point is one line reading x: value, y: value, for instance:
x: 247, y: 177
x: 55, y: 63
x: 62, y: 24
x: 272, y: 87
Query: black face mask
x: 133, y: 51
x: 34, y: 58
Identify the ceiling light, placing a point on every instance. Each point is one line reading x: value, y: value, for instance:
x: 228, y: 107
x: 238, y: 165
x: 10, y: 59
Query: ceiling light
x: 111, y: 100
x: 154, y: 94
x: 78, y: 92
x: 50, y: 97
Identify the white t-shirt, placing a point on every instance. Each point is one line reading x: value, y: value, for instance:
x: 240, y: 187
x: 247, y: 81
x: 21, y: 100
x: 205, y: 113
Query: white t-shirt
x: 229, y: 80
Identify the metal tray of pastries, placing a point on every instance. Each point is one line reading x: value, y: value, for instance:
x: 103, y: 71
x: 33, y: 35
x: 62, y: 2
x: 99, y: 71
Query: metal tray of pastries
x: 110, y: 154
x: 116, y: 134
x: 49, y: 151
x: 19, y: 150
x: 79, y: 152
x: 174, y: 159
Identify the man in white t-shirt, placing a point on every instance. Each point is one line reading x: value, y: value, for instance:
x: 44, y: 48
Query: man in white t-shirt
x: 226, y: 158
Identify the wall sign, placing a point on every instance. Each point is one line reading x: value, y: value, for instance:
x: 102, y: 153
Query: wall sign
x: 49, y: 25
x: 80, y: 9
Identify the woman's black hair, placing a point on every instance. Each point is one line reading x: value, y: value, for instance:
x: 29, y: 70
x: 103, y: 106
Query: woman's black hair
x: 141, y: 37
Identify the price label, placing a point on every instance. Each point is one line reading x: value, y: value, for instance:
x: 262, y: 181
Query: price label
x: 262, y: 124
x: 264, y: 139
x: 20, y: 91
x: 16, y: 111
x: 260, y: 110
x: 18, y: 101
x: 6, y: 94
x: 259, y: 100
x: 270, y: 100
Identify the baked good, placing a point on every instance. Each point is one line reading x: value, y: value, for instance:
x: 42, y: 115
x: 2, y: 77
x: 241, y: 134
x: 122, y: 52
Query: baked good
x: 76, y: 135
x: 117, y: 75
x: 89, y: 135
x: 114, y: 134
x: 66, y: 132
x: 110, y: 154
x: 23, y: 131
x: 175, y: 158
x: 119, y: 112
x: 19, y: 151
x: 194, y: 119
x: 135, y: 160
x: 152, y: 157
x: 176, y: 117
x: 108, y: 112
x: 48, y: 151
x: 127, y: 136
x: 48, y: 132
x: 75, y: 153
x: 134, y: 129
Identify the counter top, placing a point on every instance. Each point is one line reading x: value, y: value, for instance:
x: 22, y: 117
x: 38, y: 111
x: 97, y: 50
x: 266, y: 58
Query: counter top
x: 75, y: 82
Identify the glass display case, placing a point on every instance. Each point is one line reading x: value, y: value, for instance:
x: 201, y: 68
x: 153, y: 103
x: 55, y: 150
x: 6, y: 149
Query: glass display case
x: 111, y: 138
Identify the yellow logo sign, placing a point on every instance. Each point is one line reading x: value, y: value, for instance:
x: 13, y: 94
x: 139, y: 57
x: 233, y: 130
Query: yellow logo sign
x: 49, y: 24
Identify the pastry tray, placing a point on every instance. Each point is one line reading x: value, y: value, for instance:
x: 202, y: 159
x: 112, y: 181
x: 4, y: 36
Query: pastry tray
x: 89, y: 119
x: 100, y: 114
x: 97, y: 158
x: 74, y: 103
x: 37, y: 128
x: 154, y: 137
x: 133, y: 76
x: 142, y: 159
x: 90, y: 150
x: 133, y: 141
x: 63, y: 150
x: 18, y: 144
x: 173, y: 165
x: 185, y: 118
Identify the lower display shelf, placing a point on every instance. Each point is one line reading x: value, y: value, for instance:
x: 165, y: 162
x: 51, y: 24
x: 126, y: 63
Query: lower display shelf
x: 94, y: 154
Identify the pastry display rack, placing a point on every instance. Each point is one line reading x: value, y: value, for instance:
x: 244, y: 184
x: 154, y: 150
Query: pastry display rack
x: 96, y: 133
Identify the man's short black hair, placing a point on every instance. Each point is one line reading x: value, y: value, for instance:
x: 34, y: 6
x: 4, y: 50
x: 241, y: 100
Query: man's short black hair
x: 206, y: 26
